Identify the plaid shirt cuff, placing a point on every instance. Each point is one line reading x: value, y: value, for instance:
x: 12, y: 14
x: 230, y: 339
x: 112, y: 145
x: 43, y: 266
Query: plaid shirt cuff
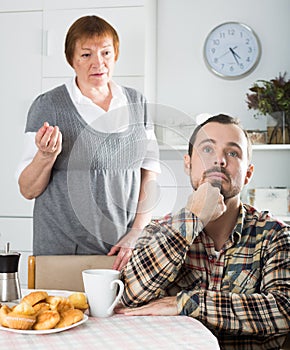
x: 188, y: 305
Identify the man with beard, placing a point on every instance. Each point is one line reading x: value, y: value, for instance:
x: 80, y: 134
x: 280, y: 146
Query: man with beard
x: 217, y: 260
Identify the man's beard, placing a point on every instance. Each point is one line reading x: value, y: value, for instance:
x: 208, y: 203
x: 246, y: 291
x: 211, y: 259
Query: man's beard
x: 232, y: 192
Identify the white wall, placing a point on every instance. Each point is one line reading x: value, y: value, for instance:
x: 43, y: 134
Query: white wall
x: 184, y: 81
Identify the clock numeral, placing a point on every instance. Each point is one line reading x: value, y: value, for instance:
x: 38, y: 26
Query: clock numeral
x: 232, y: 68
x: 231, y: 32
x: 248, y: 59
x: 247, y: 41
x: 250, y: 50
x: 241, y: 66
x: 222, y: 35
x: 215, y: 60
x: 212, y: 50
x: 216, y: 42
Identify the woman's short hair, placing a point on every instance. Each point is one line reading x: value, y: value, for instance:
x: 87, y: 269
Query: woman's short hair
x: 88, y: 27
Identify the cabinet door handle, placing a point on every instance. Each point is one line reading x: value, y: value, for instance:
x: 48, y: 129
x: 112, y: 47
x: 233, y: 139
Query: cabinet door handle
x: 45, y: 43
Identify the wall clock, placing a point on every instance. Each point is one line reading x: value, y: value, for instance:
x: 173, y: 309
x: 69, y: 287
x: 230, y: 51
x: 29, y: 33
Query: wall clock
x: 232, y: 50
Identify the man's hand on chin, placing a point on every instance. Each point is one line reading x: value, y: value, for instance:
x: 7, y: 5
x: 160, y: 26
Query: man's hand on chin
x: 207, y: 203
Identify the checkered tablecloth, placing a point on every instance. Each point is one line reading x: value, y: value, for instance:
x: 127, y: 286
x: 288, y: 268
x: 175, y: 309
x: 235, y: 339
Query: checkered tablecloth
x: 120, y: 332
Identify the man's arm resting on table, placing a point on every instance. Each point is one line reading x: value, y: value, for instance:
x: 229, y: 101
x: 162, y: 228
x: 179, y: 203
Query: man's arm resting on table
x: 261, y: 313
x: 167, y: 306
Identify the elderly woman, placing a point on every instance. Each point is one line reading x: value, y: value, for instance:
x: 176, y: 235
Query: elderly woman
x: 90, y: 154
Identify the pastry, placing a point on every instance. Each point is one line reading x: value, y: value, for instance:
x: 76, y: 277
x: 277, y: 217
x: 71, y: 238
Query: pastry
x: 35, y: 297
x: 79, y: 301
x: 20, y: 321
x: 46, y: 320
x: 24, y: 309
x: 69, y: 317
x: 42, y: 306
x: 4, y: 311
x: 59, y: 303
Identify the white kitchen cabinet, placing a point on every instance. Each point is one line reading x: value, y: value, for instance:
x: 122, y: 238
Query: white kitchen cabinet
x: 272, y: 169
x: 20, y: 83
x: 170, y: 200
x: 174, y: 184
x: 20, y: 71
x: 272, y: 166
x: 75, y: 4
x: 20, y: 5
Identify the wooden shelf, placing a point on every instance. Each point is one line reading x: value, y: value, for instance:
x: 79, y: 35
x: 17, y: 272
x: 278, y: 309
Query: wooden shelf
x: 271, y: 147
x: 255, y: 147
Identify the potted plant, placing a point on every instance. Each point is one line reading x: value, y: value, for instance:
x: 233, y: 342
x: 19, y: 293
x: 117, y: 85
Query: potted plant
x: 272, y: 97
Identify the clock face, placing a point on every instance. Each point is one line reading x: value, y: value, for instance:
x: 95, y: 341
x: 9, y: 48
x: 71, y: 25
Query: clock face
x: 232, y: 50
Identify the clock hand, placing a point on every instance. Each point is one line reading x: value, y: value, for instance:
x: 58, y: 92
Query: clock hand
x: 227, y: 52
x: 234, y: 52
x: 235, y: 55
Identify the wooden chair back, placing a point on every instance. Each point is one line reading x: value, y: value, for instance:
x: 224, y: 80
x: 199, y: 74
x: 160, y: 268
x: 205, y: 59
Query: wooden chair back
x: 63, y: 272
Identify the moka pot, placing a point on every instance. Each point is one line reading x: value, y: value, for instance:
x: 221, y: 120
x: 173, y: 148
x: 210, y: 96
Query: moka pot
x: 9, y: 278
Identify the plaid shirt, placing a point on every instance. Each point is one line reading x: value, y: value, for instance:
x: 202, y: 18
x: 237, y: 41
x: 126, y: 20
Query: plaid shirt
x: 242, y: 296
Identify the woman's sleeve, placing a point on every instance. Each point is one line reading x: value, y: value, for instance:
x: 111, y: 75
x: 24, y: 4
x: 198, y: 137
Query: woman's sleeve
x: 151, y: 159
x: 41, y: 110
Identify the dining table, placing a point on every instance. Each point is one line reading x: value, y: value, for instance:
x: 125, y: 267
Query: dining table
x: 117, y: 332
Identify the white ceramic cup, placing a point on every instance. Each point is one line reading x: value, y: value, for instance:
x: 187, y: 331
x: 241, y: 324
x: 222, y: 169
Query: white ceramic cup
x: 101, y: 290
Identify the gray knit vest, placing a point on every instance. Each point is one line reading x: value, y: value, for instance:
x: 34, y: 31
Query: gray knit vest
x: 91, y: 199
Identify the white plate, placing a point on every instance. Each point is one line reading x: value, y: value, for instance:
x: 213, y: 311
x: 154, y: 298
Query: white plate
x: 46, y: 331
x: 63, y: 293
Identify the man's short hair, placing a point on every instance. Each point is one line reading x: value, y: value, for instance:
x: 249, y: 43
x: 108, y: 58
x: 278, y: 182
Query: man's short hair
x: 222, y: 119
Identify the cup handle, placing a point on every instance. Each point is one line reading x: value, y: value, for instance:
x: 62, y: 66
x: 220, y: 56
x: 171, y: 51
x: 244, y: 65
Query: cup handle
x: 118, y: 297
